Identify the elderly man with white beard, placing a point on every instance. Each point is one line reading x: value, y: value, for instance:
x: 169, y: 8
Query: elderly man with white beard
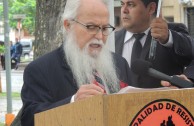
x: 81, y: 68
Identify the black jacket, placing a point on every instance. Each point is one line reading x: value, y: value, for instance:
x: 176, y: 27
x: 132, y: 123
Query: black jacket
x: 170, y: 61
x: 189, y: 71
x: 48, y: 83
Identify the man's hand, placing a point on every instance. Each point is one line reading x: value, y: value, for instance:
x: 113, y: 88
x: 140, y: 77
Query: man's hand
x: 88, y: 90
x: 168, y: 84
x: 159, y: 30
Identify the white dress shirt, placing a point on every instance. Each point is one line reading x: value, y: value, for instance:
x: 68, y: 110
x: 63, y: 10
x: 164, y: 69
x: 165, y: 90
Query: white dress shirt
x: 129, y: 41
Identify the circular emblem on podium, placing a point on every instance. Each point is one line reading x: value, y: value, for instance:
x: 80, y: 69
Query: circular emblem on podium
x: 163, y: 112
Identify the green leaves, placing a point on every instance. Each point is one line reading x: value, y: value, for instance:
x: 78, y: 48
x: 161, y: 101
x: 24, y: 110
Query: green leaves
x: 27, y: 7
x: 1, y: 12
x: 2, y: 48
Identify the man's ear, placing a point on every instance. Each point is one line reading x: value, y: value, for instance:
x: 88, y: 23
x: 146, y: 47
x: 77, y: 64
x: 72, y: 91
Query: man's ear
x: 66, y: 24
x: 152, y: 8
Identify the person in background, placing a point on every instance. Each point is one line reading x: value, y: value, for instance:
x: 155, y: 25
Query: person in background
x: 2, y: 53
x: 173, y: 51
x: 12, y: 48
x: 81, y: 68
x: 13, y: 61
x: 17, y: 52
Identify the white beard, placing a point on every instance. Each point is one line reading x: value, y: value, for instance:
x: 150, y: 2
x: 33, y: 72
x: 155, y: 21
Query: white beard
x: 83, y: 64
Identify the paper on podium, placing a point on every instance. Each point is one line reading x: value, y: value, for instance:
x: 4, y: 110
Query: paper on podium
x: 129, y: 89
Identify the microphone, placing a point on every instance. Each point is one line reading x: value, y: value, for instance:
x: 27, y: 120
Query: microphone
x: 142, y: 67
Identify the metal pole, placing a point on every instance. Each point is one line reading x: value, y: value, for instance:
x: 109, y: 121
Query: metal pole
x: 111, y: 38
x: 7, y: 56
x: 19, y: 28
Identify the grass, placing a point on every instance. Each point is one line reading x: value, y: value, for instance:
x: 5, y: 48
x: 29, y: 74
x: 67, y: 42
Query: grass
x: 25, y: 60
x: 2, y: 124
x: 14, y: 95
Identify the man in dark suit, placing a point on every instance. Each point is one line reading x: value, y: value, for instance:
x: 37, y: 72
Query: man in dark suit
x: 174, y: 50
x: 81, y: 68
x: 17, y: 52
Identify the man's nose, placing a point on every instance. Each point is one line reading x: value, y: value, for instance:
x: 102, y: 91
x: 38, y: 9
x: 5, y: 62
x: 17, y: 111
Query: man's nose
x: 99, y: 35
x: 125, y: 9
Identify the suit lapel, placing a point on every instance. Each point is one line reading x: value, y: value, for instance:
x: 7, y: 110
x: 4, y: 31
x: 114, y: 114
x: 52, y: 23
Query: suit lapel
x: 119, y: 41
x: 146, y: 47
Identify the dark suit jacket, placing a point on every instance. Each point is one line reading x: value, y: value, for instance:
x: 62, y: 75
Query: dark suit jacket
x: 170, y: 61
x: 48, y: 83
x: 189, y: 71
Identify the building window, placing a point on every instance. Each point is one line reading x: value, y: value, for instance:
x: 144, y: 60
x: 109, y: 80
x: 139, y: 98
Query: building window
x: 117, y: 21
x: 169, y: 19
x: 190, y: 17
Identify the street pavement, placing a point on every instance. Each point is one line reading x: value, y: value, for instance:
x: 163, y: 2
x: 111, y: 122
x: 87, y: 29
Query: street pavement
x: 16, y: 105
x: 17, y: 82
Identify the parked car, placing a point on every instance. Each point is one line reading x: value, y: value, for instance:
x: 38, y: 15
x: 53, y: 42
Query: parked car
x: 27, y: 47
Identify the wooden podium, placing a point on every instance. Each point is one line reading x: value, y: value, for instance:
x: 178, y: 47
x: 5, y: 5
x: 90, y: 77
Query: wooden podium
x: 119, y: 109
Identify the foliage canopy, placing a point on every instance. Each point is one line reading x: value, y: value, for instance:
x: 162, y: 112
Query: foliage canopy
x: 26, y: 7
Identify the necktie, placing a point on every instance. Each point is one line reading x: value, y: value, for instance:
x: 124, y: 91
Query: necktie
x: 137, y: 47
x: 97, y: 78
x: 98, y: 81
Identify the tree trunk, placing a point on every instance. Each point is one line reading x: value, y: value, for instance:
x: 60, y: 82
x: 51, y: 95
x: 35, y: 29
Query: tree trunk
x: 49, y: 26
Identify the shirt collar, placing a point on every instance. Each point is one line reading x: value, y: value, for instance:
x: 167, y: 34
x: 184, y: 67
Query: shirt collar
x: 128, y: 35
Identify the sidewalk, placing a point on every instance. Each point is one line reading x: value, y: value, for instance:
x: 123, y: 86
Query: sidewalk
x: 16, y: 105
x: 17, y: 82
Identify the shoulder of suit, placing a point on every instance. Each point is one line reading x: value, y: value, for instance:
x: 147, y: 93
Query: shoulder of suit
x: 173, y: 24
x: 122, y: 31
x: 47, y: 58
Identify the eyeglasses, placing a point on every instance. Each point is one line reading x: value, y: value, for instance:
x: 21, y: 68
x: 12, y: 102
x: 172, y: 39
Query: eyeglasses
x: 94, y: 29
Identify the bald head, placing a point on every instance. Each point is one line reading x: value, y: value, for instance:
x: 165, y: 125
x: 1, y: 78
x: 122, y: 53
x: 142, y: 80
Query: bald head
x: 73, y: 7
x: 93, y: 8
